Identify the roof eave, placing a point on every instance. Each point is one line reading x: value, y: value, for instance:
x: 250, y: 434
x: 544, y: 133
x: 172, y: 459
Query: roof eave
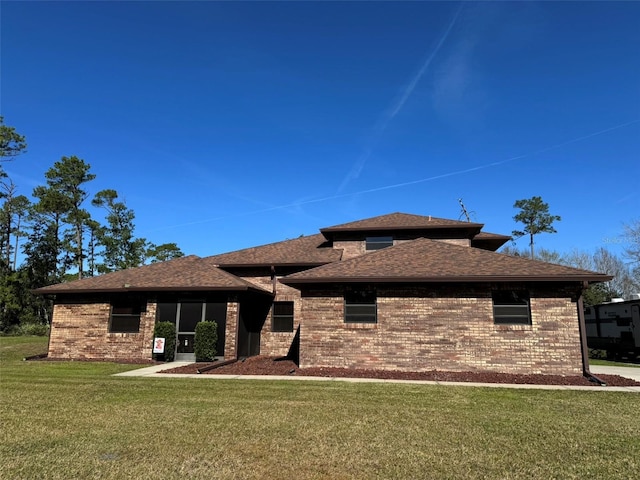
x: 468, y: 226
x: 274, y: 264
x: 451, y: 279
x: 45, y: 291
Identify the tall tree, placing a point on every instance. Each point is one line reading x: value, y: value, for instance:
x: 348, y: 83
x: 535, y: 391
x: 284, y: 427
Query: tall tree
x: 20, y: 206
x: 47, y: 214
x: 66, y: 180
x: 12, y: 143
x: 121, y: 249
x: 607, y: 262
x: 164, y: 252
x: 534, y: 215
x: 632, y: 236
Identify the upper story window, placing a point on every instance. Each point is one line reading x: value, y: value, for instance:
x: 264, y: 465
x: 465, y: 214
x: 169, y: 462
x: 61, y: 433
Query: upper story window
x: 511, y: 307
x: 377, y: 243
x: 125, y: 316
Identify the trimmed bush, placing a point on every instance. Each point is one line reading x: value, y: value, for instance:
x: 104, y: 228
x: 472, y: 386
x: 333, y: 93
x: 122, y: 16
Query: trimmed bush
x: 204, y: 345
x: 166, y: 330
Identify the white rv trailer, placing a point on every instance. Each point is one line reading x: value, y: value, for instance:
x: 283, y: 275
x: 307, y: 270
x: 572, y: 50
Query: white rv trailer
x: 614, y: 327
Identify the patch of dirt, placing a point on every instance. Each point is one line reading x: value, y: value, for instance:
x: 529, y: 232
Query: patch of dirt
x: 262, y: 365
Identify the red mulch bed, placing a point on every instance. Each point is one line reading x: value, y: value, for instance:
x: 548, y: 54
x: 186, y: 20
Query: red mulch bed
x: 262, y: 365
x: 132, y: 361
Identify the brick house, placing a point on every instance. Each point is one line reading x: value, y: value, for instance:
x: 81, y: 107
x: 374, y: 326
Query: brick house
x: 398, y: 291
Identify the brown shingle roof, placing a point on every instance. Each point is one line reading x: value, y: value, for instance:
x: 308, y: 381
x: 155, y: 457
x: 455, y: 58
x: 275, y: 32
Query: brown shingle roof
x: 489, y: 241
x: 310, y: 250
x: 491, y: 236
x: 185, y: 273
x: 425, y: 260
x: 400, y: 221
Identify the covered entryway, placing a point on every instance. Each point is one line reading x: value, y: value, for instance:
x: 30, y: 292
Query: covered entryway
x: 253, y: 314
x: 186, y: 314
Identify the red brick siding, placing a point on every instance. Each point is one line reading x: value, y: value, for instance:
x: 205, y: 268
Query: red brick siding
x: 274, y: 344
x: 421, y: 329
x: 278, y: 343
x: 231, y: 337
x: 350, y: 248
x: 81, y: 331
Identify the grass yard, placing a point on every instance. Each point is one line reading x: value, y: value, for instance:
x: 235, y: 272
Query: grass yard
x: 609, y: 363
x: 66, y: 420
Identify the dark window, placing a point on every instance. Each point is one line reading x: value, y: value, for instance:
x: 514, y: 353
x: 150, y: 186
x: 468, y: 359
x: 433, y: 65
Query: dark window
x: 167, y: 312
x: 125, y: 316
x: 360, y: 307
x: 282, y: 318
x: 511, y: 306
x: 190, y: 315
x: 377, y: 243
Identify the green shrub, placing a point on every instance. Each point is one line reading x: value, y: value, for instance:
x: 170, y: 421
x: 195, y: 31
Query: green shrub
x: 204, y: 345
x: 166, y: 330
x: 26, y: 330
x: 34, y: 329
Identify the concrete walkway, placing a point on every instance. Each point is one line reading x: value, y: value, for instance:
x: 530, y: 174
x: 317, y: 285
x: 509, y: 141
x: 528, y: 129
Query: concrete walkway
x: 628, y: 372
x: 154, y: 370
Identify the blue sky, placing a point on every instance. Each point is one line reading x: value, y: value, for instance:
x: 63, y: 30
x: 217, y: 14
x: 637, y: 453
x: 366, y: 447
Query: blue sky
x: 230, y: 124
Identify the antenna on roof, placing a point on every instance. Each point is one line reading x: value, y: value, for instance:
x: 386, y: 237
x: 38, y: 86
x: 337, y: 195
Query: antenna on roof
x: 464, y: 213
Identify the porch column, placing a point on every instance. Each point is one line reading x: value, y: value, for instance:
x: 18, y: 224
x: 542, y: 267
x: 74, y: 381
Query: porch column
x: 231, y: 331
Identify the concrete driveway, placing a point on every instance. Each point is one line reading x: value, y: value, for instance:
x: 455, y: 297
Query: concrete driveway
x: 628, y: 372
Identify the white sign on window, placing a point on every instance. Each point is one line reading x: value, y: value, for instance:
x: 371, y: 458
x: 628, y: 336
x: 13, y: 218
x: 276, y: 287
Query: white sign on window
x: 158, y: 345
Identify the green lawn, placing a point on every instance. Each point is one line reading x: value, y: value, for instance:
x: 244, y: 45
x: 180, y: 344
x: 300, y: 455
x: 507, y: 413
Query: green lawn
x: 609, y: 363
x: 66, y: 420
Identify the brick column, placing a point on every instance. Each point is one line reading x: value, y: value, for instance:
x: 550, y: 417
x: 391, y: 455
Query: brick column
x: 231, y: 330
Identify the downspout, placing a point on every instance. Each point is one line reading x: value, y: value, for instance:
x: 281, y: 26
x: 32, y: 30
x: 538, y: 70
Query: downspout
x: 582, y: 326
x: 274, y: 280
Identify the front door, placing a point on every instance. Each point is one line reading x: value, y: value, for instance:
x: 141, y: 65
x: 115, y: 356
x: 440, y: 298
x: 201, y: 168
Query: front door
x: 189, y: 314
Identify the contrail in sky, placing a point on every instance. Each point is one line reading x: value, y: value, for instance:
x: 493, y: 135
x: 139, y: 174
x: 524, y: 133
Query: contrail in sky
x: 389, y: 115
x: 412, y: 182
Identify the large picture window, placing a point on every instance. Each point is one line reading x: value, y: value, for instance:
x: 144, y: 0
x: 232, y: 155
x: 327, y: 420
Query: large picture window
x: 360, y: 307
x: 511, y: 307
x: 125, y: 316
x: 282, y: 318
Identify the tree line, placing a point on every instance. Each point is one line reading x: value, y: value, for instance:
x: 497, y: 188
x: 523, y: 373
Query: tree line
x: 52, y: 237
x: 535, y: 217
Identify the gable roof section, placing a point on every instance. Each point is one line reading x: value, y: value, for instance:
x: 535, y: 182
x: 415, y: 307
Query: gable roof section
x: 304, y: 251
x: 489, y: 241
x: 425, y: 260
x: 401, y: 221
x: 181, y: 274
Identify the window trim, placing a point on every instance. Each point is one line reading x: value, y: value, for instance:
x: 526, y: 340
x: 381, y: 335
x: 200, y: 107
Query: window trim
x: 135, y: 305
x: 275, y: 317
x: 360, y: 318
x: 374, y: 243
x: 511, y: 318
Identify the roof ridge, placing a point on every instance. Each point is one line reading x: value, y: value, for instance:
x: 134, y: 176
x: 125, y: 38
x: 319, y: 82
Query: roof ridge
x: 266, y: 245
x: 445, y: 261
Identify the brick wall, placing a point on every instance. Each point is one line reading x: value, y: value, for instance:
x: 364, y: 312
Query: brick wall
x: 81, y: 331
x: 231, y: 336
x: 275, y: 344
x: 445, y: 328
x: 278, y: 343
x: 350, y: 248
